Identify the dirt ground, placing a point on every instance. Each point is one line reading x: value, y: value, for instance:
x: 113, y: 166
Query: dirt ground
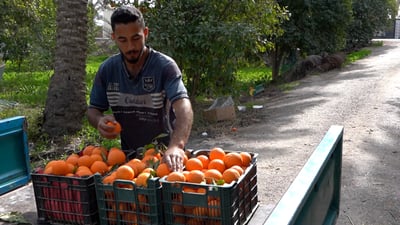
x: 363, y: 97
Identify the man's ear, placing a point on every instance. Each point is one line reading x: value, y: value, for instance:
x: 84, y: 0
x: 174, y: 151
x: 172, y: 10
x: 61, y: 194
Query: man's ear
x: 146, y: 32
x: 112, y: 36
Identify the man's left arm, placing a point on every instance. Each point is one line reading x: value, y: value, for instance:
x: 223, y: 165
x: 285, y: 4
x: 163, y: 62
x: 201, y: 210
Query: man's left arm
x: 180, y: 135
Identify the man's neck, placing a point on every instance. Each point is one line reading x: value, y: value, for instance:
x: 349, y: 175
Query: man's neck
x: 135, y: 68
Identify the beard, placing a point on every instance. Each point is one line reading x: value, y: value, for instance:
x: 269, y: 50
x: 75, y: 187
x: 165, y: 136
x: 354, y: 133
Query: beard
x: 133, y: 60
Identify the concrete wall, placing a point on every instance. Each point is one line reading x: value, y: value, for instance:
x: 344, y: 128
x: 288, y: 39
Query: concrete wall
x: 397, y: 29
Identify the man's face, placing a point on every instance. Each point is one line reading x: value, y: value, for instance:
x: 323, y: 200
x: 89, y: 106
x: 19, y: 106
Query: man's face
x: 130, y: 39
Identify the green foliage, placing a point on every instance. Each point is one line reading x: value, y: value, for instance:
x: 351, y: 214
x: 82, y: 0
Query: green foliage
x: 356, y: 55
x: 28, y: 31
x: 208, y: 39
x: 313, y: 27
x: 368, y: 18
x: 24, y: 94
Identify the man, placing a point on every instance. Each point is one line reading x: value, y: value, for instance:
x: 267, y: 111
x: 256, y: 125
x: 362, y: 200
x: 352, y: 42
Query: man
x: 144, y: 90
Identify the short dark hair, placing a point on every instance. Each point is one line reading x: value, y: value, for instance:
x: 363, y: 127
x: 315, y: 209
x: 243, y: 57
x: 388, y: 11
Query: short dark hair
x: 126, y: 14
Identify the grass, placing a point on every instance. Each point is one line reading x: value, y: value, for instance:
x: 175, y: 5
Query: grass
x: 357, y: 55
x: 23, y: 93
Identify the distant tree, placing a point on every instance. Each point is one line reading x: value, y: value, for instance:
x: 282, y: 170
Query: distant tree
x: 27, y: 29
x: 369, y: 16
x: 313, y: 27
x: 66, y: 98
x: 208, y: 39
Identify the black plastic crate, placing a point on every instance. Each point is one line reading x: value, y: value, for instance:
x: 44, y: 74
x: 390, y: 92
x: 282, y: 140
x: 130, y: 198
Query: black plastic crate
x: 65, y: 200
x: 229, y: 204
x: 123, y: 203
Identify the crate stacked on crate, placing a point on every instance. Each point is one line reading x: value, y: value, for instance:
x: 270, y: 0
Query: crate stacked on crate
x: 124, y: 202
x: 65, y: 189
x: 131, y: 194
x: 202, y: 195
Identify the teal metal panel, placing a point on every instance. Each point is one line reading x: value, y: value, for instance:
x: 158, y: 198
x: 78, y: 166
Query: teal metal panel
x: 15, y: 162
x: 314, y: 196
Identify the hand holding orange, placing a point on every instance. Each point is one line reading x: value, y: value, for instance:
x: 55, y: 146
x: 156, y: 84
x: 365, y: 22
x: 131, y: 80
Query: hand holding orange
x: 116, y: 125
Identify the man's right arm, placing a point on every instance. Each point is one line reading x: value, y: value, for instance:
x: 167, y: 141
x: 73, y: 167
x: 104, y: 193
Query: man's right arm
x: 99, y: 121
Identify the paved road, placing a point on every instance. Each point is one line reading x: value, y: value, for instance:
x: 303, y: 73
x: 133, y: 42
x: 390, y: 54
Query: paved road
x: 363, y: 97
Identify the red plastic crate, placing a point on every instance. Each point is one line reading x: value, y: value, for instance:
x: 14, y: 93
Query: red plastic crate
x: 123, y: 203
x: 65, y: 200
x: 232, y: 204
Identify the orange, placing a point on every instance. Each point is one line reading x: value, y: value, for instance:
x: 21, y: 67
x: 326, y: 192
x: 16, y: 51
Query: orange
x: 99, y: 167
x: 246, y: 158
x: 232, y: 159
x: 85, y: 160
x: 238, y: 168
x: 110, y: 178
x: 217, y: 164
x: 185, y: 159
x: 186, y: 174
x: 116, y: 157
x: 71, y: 168
x: 162, y: 170
x: 214, y: 208
x: 83, y: 171
x: 176, y: 176
x: 195, y: 176
x: 149, y: 160
x: 216, y: 153
x: 72, y: 159
x: 88, y: 150
x: 149, y: 170
x: 189, y: 189
x: 177, y: 211
x: 194, y: 164
x: 212, y: 175
x: 96, y: 157
x: 59, y: 167
x: 200, y: 211
x: 116, y: 126
x: 230, y: 175
x: 137, y: 165
x: 201, y: 190
x: 150, y: 151
x: 100, y: 150
x: 142, y: 179
x: 125, y: 172
x: 205, y: 160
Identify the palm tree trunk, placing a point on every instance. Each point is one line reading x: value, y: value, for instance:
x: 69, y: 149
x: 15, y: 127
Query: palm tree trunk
x: 66, y: 97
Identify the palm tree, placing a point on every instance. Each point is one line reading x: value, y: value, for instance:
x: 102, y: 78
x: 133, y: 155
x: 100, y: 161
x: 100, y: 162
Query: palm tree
x: 66, y: 99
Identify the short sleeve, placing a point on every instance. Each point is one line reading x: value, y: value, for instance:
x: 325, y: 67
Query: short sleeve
x: 98, y: 95
x: 173, y: 83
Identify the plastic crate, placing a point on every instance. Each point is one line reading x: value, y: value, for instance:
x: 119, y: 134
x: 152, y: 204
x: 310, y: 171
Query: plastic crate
x: 232, y: 204
x: 125, y: 203
x: 65, y: 200
x: 14, y: 163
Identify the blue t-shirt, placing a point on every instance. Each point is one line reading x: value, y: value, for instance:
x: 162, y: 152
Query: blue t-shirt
x: 141, y: 105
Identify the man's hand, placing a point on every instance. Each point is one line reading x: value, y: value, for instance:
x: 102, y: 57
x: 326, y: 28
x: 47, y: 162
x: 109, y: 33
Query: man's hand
x: 173, y: 157
x: 105, y: 130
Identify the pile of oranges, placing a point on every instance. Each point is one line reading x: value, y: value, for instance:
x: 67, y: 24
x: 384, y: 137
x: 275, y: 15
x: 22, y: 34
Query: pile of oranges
x: 91, y: 160
x: 216, y: 167
x: 139, y: 170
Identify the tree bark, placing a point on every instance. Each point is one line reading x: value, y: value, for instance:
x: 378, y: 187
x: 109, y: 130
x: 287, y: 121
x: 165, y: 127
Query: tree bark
x: 66, y: 97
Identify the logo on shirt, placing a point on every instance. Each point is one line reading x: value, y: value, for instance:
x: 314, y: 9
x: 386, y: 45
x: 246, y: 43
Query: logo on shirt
x: 148, y: 83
